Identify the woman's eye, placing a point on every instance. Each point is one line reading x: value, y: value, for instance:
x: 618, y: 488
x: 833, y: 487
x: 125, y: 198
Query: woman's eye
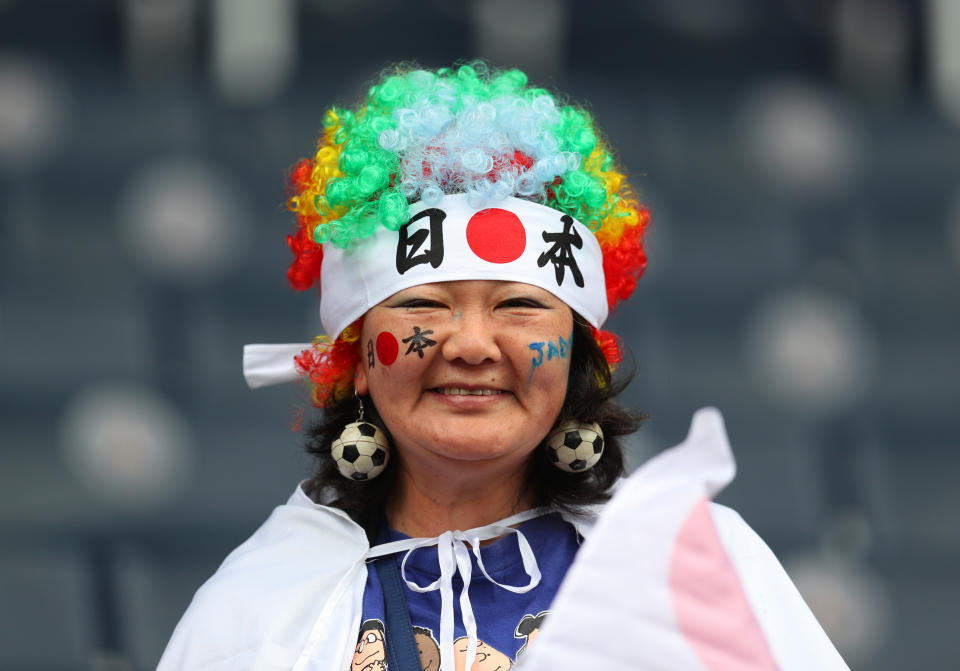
x: 419, y: 303
x: 521, y: 303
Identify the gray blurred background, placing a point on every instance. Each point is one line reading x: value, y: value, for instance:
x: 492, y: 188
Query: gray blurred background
x: 802, y: 163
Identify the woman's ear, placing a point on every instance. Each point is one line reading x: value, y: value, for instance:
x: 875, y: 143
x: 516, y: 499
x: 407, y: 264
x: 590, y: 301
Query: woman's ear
x: 360, y: 380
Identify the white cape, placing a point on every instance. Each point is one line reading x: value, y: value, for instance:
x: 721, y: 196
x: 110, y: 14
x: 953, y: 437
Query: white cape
x: 664, y: 581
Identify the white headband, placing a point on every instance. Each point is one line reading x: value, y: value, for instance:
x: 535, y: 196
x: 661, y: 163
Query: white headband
x: 516, y: 241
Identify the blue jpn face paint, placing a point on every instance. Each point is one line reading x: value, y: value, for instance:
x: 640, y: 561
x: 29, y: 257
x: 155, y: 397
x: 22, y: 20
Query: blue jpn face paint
x: 537, y: 360
x: 554, y: 350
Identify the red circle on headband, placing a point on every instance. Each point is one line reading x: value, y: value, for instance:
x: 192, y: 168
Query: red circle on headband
x: 496, y: 235
x: 387, y: 348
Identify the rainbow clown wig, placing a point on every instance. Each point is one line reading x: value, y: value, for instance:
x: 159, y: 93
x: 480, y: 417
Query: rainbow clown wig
x: 465, y: 138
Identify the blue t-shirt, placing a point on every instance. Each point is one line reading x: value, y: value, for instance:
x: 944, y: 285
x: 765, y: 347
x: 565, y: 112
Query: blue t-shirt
x: 506, y: 621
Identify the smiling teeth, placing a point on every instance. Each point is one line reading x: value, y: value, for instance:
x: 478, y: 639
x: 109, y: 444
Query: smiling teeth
x: 456, y: 391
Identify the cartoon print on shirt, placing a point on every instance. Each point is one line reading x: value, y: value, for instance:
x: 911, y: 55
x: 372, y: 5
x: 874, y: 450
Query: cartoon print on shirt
x: 428, y: 648
x: 488, y: 658
x: 370, y: 653
x: 529, y: 628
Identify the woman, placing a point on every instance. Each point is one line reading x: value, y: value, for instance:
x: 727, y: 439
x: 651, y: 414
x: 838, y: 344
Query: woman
x: 469, y: 234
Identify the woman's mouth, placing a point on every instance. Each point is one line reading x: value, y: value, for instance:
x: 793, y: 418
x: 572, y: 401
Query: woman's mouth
x: 460, y: 391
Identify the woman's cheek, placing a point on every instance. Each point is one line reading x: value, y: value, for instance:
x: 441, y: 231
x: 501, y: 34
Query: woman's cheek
x: 418, y: 340
x: 382, y: 348
x: 386, y: 347
x: 552, y: 351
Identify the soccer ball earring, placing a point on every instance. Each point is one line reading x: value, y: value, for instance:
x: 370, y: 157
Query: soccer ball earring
x: 575, y: 446
x: 361, y: 451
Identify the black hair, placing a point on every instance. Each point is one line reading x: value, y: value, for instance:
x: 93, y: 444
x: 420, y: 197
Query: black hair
x: 529, y: 623
x: 591, y: 389
x: 370, y: 625
x: 422, y: 630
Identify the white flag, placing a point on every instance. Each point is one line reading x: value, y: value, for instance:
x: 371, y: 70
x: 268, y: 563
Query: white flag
x: 655, y: 589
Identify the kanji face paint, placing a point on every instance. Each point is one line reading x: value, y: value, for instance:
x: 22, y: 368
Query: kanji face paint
x: 418, y: 341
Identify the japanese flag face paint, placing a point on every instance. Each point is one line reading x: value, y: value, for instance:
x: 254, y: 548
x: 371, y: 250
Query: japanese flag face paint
x: 387, y: 348
x: 517, y: 241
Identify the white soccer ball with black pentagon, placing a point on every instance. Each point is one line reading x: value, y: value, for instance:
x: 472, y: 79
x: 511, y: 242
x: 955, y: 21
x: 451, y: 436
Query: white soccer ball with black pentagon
x: 360, y: 451
x: 575, y: 447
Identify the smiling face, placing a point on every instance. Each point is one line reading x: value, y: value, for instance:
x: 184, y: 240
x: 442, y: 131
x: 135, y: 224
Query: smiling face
x: 427, y: 648
x: 470, y: 371
x: 488, y: 658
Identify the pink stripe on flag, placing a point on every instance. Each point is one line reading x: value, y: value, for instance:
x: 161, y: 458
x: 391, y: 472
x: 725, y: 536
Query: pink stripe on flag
x: 709, y: 603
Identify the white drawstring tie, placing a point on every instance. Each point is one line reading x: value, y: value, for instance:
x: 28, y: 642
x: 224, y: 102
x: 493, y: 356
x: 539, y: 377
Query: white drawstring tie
x: 454, y: 558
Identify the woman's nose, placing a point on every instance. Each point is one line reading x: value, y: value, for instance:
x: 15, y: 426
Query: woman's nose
x: 472, y: 340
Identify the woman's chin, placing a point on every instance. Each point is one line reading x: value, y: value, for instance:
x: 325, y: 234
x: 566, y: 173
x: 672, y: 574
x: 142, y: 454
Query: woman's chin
x: 481, y: 444
x: 472, y: 429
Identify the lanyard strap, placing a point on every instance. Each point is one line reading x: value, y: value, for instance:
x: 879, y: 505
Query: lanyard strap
x: 400, y: 644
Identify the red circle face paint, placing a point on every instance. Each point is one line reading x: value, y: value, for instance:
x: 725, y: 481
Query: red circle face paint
x: 496, y: 235
x: 387, y: 348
